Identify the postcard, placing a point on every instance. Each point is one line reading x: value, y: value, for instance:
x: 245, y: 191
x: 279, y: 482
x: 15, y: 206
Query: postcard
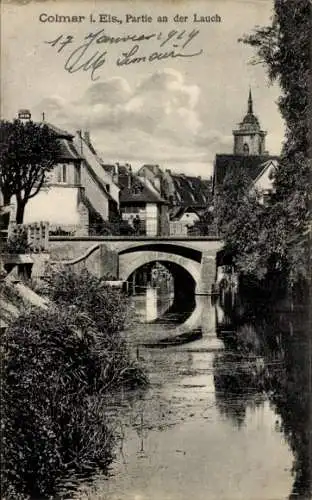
x: 142, y: 144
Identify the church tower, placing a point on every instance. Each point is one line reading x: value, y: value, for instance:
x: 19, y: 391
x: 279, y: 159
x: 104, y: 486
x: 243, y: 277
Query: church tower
x: 249, y: 139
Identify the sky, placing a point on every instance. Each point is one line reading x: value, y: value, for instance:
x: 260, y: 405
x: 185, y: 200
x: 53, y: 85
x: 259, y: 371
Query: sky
x: 178, y: 112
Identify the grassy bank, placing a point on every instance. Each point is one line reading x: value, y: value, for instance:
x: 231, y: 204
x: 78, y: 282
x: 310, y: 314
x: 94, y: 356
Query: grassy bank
x: 56, y: 366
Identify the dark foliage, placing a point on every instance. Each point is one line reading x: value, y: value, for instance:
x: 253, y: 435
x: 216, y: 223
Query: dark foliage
x: 278, y: 234
x: 56, y: 366
x: 51, y: 369
x: 105, y: 305
x: 28, y: 151
x: 17, y: 243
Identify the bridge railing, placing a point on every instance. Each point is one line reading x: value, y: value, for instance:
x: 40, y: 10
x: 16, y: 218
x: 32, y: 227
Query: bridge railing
x: 143, y: 228
x: 28, y: 238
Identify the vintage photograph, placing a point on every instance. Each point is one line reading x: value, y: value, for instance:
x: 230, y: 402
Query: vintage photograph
x: 155, y: 250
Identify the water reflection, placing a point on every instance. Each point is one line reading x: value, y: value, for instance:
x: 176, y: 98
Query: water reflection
x: 225, y: 416
x: 154, y: 305
x: 150, y: 305
x: 272, y: 358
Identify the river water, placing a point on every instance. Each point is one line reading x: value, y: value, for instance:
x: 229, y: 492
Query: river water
x: 216, y: 422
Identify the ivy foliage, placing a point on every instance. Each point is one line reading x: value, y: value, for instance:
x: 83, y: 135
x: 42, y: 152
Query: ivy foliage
x: 276, y: 236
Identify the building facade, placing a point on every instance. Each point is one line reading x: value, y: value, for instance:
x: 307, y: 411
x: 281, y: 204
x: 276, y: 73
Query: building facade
x: 188, y: 197
x: 79, y: 190
x: 141, y: 205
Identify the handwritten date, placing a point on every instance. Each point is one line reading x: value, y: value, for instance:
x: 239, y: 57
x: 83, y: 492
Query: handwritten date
x: 91, y: 53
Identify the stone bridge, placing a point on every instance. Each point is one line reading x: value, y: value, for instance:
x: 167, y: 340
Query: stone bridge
x: 190, y: 260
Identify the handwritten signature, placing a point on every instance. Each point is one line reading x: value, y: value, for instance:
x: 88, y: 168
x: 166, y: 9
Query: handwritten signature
x: 90, y: 55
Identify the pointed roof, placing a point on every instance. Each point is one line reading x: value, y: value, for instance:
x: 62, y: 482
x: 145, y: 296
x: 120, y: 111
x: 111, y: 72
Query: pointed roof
x: 272, y: 162
x: 68, y: 150
x: 253, y: 165
x: 250, y: 103
x: 250, y: 120
x: 61, y: 134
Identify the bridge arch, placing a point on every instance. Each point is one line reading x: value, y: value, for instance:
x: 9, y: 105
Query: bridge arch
x: 131, y: 261
x: 174, y: 249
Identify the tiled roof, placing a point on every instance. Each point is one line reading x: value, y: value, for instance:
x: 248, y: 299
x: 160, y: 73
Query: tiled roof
x: 181, y: 190
x: 253, y: 165
x: 58, y: 131
x: 139, y: 193
x: 191, y: 191
x: 109, y: 168
x: 68, y: 150
x: 153, y: 168
x: 97, y: 180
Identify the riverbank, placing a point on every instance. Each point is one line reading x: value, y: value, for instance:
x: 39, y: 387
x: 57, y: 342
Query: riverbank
x: 57, y: 363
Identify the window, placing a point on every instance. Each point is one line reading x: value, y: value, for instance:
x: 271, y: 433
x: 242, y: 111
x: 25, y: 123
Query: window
x: 137, y: 188
x: 107, y: 186
x: 246, y: 149
x: 77, y: 174
x: 131, y: 209
x: 62, y: 173
x: 59, y: 174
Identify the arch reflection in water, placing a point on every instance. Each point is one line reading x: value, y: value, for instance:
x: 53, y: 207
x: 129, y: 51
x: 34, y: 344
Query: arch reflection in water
x: 164, y: 291
x: 174, y: 325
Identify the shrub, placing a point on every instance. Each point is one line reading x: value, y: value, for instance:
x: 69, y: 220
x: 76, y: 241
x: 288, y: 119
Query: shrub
x: 107, y: 306
x: 56, y: 364
x: 17, y: 242
x: 51, y: 371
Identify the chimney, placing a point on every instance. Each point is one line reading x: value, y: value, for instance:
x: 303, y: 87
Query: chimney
x: 24, y: 115
x: 79, y: 134
x: 129, y: 175
x: 116, y: 173
x: 87, y: 137
x: 157, y: 183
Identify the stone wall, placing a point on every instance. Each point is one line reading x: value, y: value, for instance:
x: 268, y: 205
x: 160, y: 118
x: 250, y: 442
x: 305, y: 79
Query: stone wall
x: 208, y: 274
x: 99, y: 259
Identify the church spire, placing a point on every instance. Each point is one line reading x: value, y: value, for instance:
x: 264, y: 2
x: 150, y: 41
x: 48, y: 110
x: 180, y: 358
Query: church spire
x: 250, y: 103
x: 249, y: 138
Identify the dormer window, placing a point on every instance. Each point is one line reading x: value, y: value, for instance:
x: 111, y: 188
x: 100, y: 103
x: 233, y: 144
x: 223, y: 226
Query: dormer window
x: 137, y: 188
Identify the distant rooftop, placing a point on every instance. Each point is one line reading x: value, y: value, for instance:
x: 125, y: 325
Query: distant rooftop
x: 252, y: 165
